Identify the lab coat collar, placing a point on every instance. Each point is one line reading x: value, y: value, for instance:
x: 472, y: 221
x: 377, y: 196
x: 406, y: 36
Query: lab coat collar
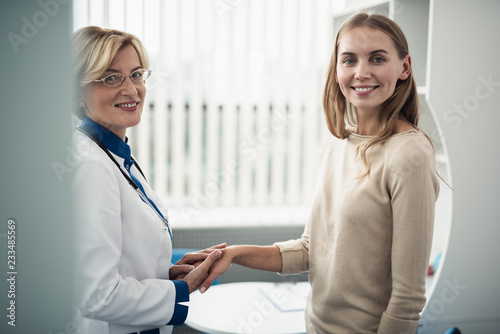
x: 111, y: 141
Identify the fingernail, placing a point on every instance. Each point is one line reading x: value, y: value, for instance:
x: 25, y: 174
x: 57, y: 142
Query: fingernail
x: 203, y: 289
x: 191, y: 268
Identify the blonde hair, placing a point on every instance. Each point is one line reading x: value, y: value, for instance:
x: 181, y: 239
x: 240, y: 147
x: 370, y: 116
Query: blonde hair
x: 402, y: 104
x: 94, y: 49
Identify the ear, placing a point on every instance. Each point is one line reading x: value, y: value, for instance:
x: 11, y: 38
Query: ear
x: 336, y: 78
x: 406, y: 68
x: 81, y: 100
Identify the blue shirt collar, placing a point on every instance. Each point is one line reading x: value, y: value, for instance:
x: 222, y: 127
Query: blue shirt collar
x: 111, y: 141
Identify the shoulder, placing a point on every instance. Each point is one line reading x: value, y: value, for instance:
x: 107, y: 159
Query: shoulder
x: 403, y: 126
x: 410, y: 153
x: 88, y: 158
x: 85, y: 149
x: 81, y: 144
x: 409, y: 142
x: 332, y: 145
x: 331, y: 142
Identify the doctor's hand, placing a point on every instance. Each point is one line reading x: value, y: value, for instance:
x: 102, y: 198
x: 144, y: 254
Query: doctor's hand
x: 218, y: 268
x: 197, y: 275
x: 190, y: 261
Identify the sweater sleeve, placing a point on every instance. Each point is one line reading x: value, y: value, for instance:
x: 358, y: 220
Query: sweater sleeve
x: 295, y: 254
x: 414, y: 188
x: 103, y: 292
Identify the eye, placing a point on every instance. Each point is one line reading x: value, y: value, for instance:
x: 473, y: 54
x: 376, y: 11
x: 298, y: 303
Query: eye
x: 378, y: 59
x: 137, y: 75
x: 113, y: 79
x: 348, y: 61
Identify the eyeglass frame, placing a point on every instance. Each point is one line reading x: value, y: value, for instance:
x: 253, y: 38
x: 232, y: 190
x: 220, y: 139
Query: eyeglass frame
x: 148, y: 71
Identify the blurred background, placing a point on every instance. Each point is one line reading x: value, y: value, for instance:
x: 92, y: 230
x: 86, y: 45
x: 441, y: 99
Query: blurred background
x: 233, y: 122
x: 231, y: 133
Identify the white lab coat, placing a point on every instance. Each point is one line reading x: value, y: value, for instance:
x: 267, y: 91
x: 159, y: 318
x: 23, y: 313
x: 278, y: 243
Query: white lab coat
x: 124, y: 250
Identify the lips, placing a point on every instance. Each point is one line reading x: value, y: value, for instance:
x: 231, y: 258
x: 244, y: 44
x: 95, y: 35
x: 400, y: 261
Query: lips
x: 128, y: 105
x: 364, y: 90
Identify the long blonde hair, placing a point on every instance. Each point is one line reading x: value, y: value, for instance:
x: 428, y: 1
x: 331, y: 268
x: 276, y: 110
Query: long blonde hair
x: 402, y: 104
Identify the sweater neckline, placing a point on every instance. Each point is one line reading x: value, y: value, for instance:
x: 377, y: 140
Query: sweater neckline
x: 355, y: 135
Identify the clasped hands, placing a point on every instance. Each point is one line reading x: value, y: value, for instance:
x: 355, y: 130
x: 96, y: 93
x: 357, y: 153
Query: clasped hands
x: 200, y: 269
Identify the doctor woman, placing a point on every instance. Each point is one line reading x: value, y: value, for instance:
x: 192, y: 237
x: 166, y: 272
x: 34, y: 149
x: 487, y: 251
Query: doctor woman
x: 366, y: 245
x: 126, y: 283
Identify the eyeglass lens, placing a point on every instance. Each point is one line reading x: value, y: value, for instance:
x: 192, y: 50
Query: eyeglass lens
x: 117, y: 78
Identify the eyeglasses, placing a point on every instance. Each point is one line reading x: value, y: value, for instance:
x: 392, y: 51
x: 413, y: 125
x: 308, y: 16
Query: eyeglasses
x: 116, y: 79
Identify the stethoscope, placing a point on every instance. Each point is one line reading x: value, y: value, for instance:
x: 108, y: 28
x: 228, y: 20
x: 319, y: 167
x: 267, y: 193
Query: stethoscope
x: 129, y: 179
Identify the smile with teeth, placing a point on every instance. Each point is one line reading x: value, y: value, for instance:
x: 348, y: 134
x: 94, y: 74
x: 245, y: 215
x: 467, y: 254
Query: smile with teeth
x: 364, y: 89
x: 127, y: 105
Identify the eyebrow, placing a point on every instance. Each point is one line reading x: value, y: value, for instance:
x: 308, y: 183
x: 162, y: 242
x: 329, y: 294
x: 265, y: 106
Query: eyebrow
x: 373, y: 52
x: 112, y: 70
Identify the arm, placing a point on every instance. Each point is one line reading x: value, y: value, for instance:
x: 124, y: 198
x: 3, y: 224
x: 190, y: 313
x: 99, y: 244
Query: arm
x: 414, y: 188
x: 256, y: 257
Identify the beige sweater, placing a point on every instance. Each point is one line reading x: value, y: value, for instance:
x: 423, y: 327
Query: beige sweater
x: 367, y: 242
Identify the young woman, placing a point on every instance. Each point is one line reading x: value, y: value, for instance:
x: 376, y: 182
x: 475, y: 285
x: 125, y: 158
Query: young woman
x: 368, y: 240
x: 125, y: 281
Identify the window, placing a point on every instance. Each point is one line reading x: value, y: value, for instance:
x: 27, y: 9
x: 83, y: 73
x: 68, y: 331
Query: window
x: 233, y: 122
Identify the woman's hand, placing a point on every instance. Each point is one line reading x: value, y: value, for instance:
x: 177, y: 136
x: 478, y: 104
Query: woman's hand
x: 213, y: 248
x: 197, y: 275
x: 255, y: 257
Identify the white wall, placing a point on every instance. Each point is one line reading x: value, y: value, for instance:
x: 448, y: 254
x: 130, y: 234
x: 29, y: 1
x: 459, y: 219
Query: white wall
x: 464, y: 91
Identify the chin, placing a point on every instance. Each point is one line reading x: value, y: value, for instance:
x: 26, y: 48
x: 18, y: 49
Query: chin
x: 131, y: 122
x: 135, y: 122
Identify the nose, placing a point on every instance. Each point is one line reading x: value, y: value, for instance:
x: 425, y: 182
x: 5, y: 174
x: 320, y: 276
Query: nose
x: 363, y: 70
x: 128, y: 87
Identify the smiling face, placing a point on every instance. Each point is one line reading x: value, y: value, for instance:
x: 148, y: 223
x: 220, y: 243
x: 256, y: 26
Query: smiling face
x: 116, y: 108
x: 368, y: 68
